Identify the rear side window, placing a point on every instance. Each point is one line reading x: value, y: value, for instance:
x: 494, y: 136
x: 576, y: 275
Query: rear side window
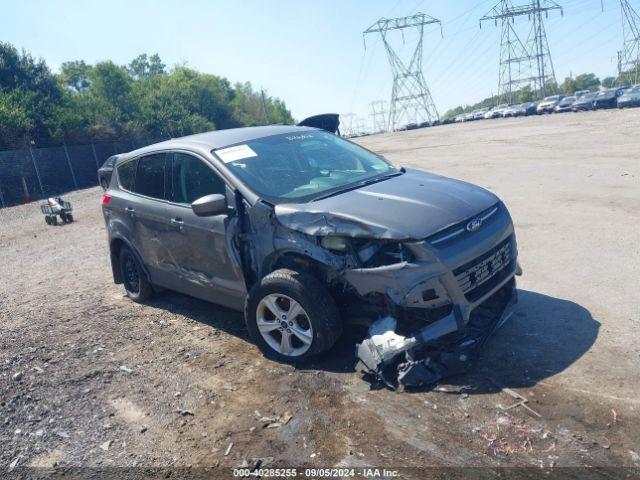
x: 126, y: 174
x: 191, y: 179
x: 150, y: 176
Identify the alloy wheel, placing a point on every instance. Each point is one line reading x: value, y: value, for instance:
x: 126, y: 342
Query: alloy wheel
x: 284, y: 325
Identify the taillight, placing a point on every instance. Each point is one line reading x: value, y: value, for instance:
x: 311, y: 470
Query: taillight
x: 105, y: 199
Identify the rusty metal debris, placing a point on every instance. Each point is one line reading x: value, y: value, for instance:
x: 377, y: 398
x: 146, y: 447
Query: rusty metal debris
x: 522, y: 402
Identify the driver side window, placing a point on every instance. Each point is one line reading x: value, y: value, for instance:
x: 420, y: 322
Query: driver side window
x: 191, y: 179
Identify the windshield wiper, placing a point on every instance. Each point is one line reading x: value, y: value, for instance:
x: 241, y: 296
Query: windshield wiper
x: 355, y: 186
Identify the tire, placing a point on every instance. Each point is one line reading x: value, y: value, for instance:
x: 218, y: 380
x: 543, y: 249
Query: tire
x: 54, y: 220
x: 318, y: 323
x: 69, y: 218
x: 47, y: 220
x: 136, y: 284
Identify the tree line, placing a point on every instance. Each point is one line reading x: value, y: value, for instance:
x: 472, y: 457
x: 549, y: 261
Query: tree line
x: 584, y: 81
x: 86, y: 103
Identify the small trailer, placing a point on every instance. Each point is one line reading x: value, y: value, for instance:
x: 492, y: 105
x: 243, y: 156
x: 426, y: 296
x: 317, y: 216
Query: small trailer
x: 55, y: 207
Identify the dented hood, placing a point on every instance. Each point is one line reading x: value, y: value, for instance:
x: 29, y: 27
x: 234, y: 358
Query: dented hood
x: 414, y: 206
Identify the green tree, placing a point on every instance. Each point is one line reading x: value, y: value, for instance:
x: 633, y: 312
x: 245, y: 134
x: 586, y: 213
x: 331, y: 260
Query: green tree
x: 75, y: 75
x: 609, y: 82
x: 584, y: 81
x: 85, y: 103
x: 145, y: 67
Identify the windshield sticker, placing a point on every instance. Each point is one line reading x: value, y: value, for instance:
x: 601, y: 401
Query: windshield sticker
x: 238, y: 152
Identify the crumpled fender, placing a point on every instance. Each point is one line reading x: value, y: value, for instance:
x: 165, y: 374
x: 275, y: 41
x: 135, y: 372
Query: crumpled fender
x: 322, y: 224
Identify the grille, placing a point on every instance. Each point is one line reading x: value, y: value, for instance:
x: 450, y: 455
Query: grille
x: 460, y: 228
x: 480, y: 275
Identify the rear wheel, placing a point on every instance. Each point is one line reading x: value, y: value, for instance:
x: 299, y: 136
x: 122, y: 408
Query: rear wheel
x: 54, y: 220
x: 47, y: 220
x: 69, y: 218
x: 291, y: 316
x: 135, y: 282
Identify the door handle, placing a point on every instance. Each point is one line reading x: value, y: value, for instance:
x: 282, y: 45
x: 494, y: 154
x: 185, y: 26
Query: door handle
x: 130, y: 210
x: 178, y: 222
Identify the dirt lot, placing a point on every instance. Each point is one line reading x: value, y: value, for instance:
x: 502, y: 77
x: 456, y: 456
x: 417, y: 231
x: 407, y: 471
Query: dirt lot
x: 89, y: 378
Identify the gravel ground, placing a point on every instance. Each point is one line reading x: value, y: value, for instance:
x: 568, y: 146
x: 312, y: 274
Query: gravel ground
x: 91, y: 379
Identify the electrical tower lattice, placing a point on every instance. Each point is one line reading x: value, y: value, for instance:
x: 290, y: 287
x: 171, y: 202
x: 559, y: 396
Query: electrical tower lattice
x: 411, y: 99
x: 629, y: 56
x: 378, y: 116
x: 525, y: 63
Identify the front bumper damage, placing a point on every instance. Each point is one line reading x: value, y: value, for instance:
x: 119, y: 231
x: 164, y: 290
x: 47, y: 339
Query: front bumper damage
x: 478, y: 297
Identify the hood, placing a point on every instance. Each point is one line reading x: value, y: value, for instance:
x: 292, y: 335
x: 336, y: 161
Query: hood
x: 325, y: 121
x: 411, y: 206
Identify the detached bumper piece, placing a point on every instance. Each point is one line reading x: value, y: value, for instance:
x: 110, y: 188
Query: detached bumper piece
x: 439, y: 350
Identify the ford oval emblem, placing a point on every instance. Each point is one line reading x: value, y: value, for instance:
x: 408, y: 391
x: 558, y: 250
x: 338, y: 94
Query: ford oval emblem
x: 474, y: 224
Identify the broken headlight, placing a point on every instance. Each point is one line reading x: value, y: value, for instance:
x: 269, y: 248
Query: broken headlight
x: 337, y: 244
x: 378, y: 254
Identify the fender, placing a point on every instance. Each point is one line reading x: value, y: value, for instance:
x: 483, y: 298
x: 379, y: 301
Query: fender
x: 115, y: 259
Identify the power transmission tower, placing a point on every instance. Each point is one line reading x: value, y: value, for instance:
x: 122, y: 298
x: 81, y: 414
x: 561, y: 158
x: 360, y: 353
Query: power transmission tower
x: 359, y: 127
x: 411, y: 99
x: 346, y: 124
x: 525, y: 63
x: 629, y: 56
x: 378, y: 116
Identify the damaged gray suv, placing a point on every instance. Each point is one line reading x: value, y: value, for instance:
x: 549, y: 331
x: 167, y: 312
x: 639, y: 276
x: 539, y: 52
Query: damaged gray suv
x: 305, y: 231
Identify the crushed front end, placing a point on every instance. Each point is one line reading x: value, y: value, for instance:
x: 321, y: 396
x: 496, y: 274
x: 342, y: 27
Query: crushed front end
x: 443, y: 299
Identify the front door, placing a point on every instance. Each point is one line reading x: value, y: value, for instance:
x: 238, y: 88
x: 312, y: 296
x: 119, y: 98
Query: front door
x: 198, y: 247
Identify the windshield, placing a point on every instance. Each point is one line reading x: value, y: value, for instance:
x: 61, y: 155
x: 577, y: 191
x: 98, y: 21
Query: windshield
x: 302, y: 166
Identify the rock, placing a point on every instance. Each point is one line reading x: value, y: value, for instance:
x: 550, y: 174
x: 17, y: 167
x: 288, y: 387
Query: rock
x: 105, y: 446
x: 17, y: 376
x: 185, y: 413
x: 143, y: 429
x: 125, y: 369
x: 39, y: 433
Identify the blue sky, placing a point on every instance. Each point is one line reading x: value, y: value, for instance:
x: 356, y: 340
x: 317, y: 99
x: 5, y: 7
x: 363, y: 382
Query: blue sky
x: 311, y: 54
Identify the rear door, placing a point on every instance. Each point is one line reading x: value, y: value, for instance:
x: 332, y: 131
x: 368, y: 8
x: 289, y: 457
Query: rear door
x: 201, y: 263
x: 149, y: 212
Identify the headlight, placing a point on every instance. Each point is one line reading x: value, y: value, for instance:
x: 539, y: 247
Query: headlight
x: 338, y: 244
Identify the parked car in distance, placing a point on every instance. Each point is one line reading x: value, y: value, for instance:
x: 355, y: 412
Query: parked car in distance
x: 565, y: 104
x: 581, y: 93
x: 585, y: 102
x: 479, y: 114
x: 104, y: 172
x: 511, y: 111
x: 496, y: 112
x: 548, y: 104
x: 299, y: 228
x: 607, y: 98
x: 630, y: 98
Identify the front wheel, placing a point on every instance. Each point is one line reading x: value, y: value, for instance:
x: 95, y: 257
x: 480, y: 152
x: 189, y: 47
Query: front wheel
x: 291, y: 316
x: 135, y: 281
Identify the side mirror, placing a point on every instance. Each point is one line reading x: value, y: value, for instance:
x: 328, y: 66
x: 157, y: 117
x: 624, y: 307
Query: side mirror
x: 209, y: 205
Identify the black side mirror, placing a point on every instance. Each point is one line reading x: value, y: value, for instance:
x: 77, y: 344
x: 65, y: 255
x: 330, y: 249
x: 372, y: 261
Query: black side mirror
x: 209, y: 205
